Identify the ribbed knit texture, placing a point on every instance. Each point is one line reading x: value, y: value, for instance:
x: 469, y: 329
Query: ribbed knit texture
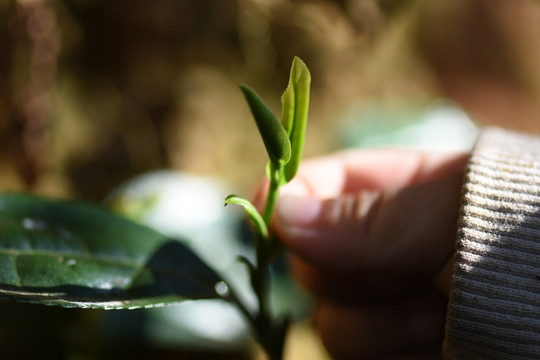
x: 494, y: 309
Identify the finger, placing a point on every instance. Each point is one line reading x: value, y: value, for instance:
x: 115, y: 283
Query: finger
x: 356, y: 170
x: 409, y: 229
x: 348, y: 288
x: 380, y: 331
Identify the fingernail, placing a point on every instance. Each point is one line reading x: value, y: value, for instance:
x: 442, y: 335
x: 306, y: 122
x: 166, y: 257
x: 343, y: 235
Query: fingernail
x: 298, y: 211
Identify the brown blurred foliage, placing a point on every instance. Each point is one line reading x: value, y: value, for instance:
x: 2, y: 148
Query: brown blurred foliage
x: 93, y: 92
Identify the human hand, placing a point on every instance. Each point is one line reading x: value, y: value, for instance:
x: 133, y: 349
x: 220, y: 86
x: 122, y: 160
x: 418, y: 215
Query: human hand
x: 371, y: 235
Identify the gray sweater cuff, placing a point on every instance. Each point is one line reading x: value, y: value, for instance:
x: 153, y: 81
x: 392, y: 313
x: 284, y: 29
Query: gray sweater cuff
x: 494, y: 308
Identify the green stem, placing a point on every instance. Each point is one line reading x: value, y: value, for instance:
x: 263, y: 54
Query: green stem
x: 263, y: 246
x: 273, y: 194
x: 270, y: 334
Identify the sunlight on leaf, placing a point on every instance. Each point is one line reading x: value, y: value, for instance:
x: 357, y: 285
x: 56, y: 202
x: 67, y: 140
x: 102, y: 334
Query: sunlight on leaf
x: 252, y: 212
x: 295, y: 105
x: 274, y: 136
x: 75, y: 254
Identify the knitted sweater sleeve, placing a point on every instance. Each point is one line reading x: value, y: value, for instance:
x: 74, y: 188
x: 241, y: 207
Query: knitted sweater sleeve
x: 494, y: 308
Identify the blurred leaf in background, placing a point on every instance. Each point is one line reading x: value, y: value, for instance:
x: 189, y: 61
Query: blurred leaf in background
x: 185, y: 206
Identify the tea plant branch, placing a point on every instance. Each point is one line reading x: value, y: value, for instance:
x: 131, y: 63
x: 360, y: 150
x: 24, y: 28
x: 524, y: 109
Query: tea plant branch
x: 84, y: 256
x: 276, y: 179
x: 284, y: 142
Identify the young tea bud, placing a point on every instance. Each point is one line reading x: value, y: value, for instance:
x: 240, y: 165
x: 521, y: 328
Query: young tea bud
x: 274, y: 136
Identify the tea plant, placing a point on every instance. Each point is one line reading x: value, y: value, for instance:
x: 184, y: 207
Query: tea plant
x: 79, y: 255
x: 284, y: 141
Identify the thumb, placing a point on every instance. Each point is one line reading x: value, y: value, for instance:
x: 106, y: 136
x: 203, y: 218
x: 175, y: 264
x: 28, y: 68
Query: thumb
x: 409, y: 229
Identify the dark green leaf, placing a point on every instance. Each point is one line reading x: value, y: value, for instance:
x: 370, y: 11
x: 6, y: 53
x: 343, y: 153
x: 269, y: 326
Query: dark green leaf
x: 274, y: 136
x: 295, y: 105
x: 79, y: 255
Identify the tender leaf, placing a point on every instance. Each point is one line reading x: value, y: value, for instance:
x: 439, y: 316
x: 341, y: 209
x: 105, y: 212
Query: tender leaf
x: 288, y: 109
x: 274, y: 136
x: 79, y: 255
x: 295, y: 105
x: 252, y: 212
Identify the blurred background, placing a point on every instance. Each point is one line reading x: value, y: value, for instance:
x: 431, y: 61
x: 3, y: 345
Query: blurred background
x: 95, y: 92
